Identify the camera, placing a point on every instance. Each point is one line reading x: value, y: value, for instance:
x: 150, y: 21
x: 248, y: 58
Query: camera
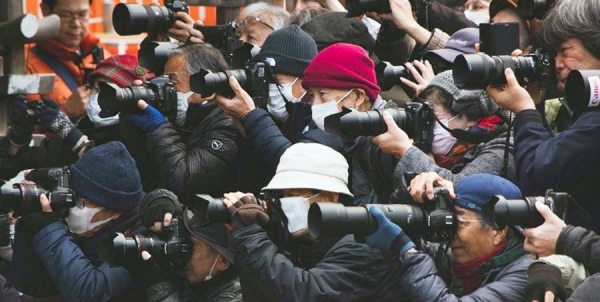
x: 358, y: 7
x: 222, y: 37
x: 500, y: 212
x: 499, y: 38
x: 158, y: 92
x: 134, y: 19
x: 253, y: 79
x: 433, y: 221
x: 215, y: 209
x: 25, y: 198
x: 172, y: 247
x: 529, y: 9
x: 416, y: 119
x: 582, y: 90
x: 476, y: 71
x: 154, y: 55
x: 389, y: 75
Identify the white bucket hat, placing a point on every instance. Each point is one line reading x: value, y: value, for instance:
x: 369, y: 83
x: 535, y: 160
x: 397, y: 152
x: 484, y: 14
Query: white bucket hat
x: 311, y: 166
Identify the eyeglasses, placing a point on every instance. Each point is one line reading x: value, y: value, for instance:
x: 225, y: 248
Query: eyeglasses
x: 250, y: 20
x: 69, y: 17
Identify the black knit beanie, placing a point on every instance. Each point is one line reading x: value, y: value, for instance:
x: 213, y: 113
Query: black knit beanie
x: 330, y: 28
x: 291, y: 48
x: 107, y: 175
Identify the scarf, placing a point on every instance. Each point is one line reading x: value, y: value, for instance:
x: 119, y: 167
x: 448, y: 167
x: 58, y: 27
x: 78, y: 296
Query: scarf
x: 460, y: 148
x: 469, y: 274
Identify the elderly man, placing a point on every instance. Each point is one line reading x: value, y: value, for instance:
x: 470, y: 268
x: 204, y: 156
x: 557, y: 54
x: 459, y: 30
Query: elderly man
x: 290, y: 265
x: 486, y: 264
x: 56, y: 55
x: 566, y: 162
x: 258, y: 20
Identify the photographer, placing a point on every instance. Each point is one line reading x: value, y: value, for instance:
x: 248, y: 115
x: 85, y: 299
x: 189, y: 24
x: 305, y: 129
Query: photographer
x: 286, y: 263
x: 258, y: 20
x: 209, y: 272
x: 70, y: 140
x: 341, y: 75
x: 482, y: 148
x: 486, y: 264
x: 194, y: 152
x: 51, y: 257
x: 56, y: 55
x: 568, y: 161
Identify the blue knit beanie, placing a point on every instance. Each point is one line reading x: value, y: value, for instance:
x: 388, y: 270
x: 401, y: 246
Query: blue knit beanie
x: 108, y: 176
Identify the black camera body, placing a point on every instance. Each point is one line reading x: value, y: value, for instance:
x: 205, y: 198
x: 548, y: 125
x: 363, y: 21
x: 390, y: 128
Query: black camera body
x: 416, y: 119
x: 173, y: 248
x: 499, y: 38
x: 158, y: 92
x: 134, y: 19
x: 477, y: 71
x: 254, y: 79
x: 433, y: 221
x: 529, y: 9
x: 500, y: 212
x: 358, y: 7
x: 222, y: 37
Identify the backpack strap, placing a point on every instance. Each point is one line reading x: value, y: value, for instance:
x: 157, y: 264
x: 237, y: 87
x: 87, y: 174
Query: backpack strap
x: 57, y: 67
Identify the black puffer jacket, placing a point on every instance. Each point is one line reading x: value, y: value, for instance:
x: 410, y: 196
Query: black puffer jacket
x: 198, y: 158
x: 580, y: 244
x: 334, y: 270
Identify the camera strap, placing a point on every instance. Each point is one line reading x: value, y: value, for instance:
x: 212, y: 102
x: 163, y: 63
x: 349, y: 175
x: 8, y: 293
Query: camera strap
x: 57, y: 67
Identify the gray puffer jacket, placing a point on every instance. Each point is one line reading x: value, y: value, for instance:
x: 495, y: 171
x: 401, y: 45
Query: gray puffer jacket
x: 424, y: 279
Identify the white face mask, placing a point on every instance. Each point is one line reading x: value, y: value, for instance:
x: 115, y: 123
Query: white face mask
x: 182, y: 107
x: 211, y: 269
x: 276, y: 104
x: 80, y: 219
x: 321, y: 111
x: 93, y: 109
x: 443, y: 141
x: 296, y: 212
x: 478, y: 17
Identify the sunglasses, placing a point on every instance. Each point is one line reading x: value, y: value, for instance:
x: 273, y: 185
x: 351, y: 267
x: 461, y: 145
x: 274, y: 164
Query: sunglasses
x: 250, y: 20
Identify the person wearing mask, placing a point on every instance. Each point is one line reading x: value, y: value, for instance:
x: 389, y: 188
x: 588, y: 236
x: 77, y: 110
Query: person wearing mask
x: 541, y: 160
x: 469, y: 137
x: 56, y: 55
x: 54, y: 256
x: 193, y: 152
x: 207, y: 275
x: 486, y: 263
x: 258, y: 20
x: 287, y: 264
x: 70, y: 140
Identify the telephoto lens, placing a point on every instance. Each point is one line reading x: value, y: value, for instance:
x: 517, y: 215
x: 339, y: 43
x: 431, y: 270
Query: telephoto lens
x: 25, y: 198
x: 389, y: 75
x: 477, y: 71
x: 134, y: 19
x: 159, y: 93
x: 582, y: 90
x: 368, y: 123
x: 214, y: 208
x: 206, y: 82
x: 530, y: 9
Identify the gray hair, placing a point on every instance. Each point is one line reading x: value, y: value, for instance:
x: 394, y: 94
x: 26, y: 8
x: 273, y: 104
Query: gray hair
x: 572, y: 19
x: 304, y: 15
x: 200, y: 56
x: 277, y: 15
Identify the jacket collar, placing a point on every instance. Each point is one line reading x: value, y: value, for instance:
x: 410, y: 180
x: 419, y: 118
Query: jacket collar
x: 59, y: 50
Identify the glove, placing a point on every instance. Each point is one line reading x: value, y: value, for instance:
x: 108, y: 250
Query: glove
x: 147, y: 271
x: 157, y: 204
x: 388, y: 237
x: 35, y: 222
x: 52, y: 119
x: 247, y: 212
x: 543, y: 277
x: 21, y: 125
x: 148, y: 120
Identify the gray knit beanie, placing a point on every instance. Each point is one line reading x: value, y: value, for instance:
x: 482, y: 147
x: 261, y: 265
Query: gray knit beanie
x: 475, y: 103
x: 107, y: 175
x: 331, y: 28
x: 291, y: 48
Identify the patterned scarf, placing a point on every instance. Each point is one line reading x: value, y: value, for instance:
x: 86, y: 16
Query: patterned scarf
x: 460, y: 148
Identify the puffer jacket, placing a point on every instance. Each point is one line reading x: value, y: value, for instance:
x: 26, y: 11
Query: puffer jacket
x: 485, y: 158
x: 580, y: 244
x: 197, y: 158
x: 332, y: 270
x: 424, y: 279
